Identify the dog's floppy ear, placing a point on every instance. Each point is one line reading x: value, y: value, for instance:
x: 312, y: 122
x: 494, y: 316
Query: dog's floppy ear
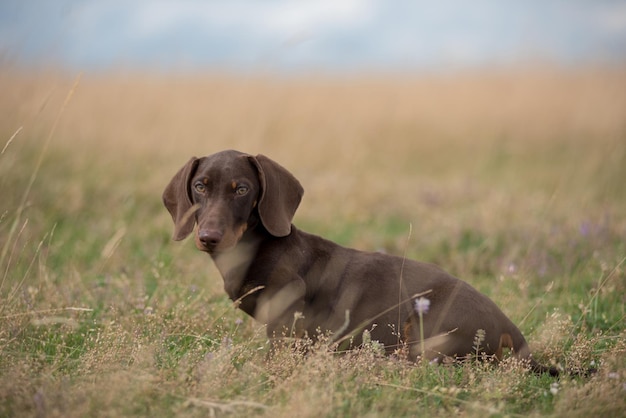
x: 279, y: 197
x: 178, y: 201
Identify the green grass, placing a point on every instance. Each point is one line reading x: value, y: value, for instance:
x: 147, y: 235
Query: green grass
x: 101, y: 314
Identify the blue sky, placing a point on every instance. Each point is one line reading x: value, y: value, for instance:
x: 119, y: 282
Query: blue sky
x: 325, y: 35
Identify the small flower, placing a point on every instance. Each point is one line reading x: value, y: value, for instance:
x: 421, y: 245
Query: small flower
x: 585, y: 228
x: 554, y: 388
x: 421, y: 305
x: 238, y: 321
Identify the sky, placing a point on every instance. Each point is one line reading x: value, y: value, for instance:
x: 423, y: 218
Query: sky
x: 314, y: 35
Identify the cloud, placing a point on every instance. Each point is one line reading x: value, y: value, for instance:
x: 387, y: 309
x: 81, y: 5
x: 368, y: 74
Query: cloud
x: 610, y: 18
x: 149, y: 18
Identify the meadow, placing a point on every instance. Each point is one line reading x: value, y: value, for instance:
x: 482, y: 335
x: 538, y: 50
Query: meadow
x: 513, y: 180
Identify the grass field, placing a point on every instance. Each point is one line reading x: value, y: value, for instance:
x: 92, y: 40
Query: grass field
x: 513, y: 181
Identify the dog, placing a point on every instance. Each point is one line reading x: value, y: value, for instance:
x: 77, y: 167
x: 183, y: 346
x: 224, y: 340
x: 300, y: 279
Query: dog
x: 300, y: 284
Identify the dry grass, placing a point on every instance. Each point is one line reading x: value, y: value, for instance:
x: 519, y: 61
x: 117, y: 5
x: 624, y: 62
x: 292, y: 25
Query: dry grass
x: 512, y: 180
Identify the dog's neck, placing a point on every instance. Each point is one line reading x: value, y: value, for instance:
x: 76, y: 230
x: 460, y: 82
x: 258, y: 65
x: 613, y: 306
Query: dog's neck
x: 233, y: 264
x: 236, y: 258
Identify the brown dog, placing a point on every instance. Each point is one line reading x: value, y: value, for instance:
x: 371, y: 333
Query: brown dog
x: 243, y: 206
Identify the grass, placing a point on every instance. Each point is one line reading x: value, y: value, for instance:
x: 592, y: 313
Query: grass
x: 512, y: 181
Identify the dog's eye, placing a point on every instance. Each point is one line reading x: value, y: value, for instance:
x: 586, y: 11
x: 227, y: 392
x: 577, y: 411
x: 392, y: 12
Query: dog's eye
x: 199, y: 187
x: 241, y: 190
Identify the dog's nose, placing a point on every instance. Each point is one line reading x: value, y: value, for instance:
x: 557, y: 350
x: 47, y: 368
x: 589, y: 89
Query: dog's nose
x: 210, y: 237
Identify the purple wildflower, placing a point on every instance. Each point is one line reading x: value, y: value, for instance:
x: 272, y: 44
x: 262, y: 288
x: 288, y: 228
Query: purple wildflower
x: 421, y: 305
x: 585, y: 228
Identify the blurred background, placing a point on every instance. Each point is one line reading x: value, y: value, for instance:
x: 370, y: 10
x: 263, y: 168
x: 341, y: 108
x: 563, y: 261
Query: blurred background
x: 449, y: 99
x: 458, y: 102
x: 356, y: 92
x: 303, y: 36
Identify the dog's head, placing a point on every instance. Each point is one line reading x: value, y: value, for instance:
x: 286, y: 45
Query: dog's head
x: 227, y: 193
